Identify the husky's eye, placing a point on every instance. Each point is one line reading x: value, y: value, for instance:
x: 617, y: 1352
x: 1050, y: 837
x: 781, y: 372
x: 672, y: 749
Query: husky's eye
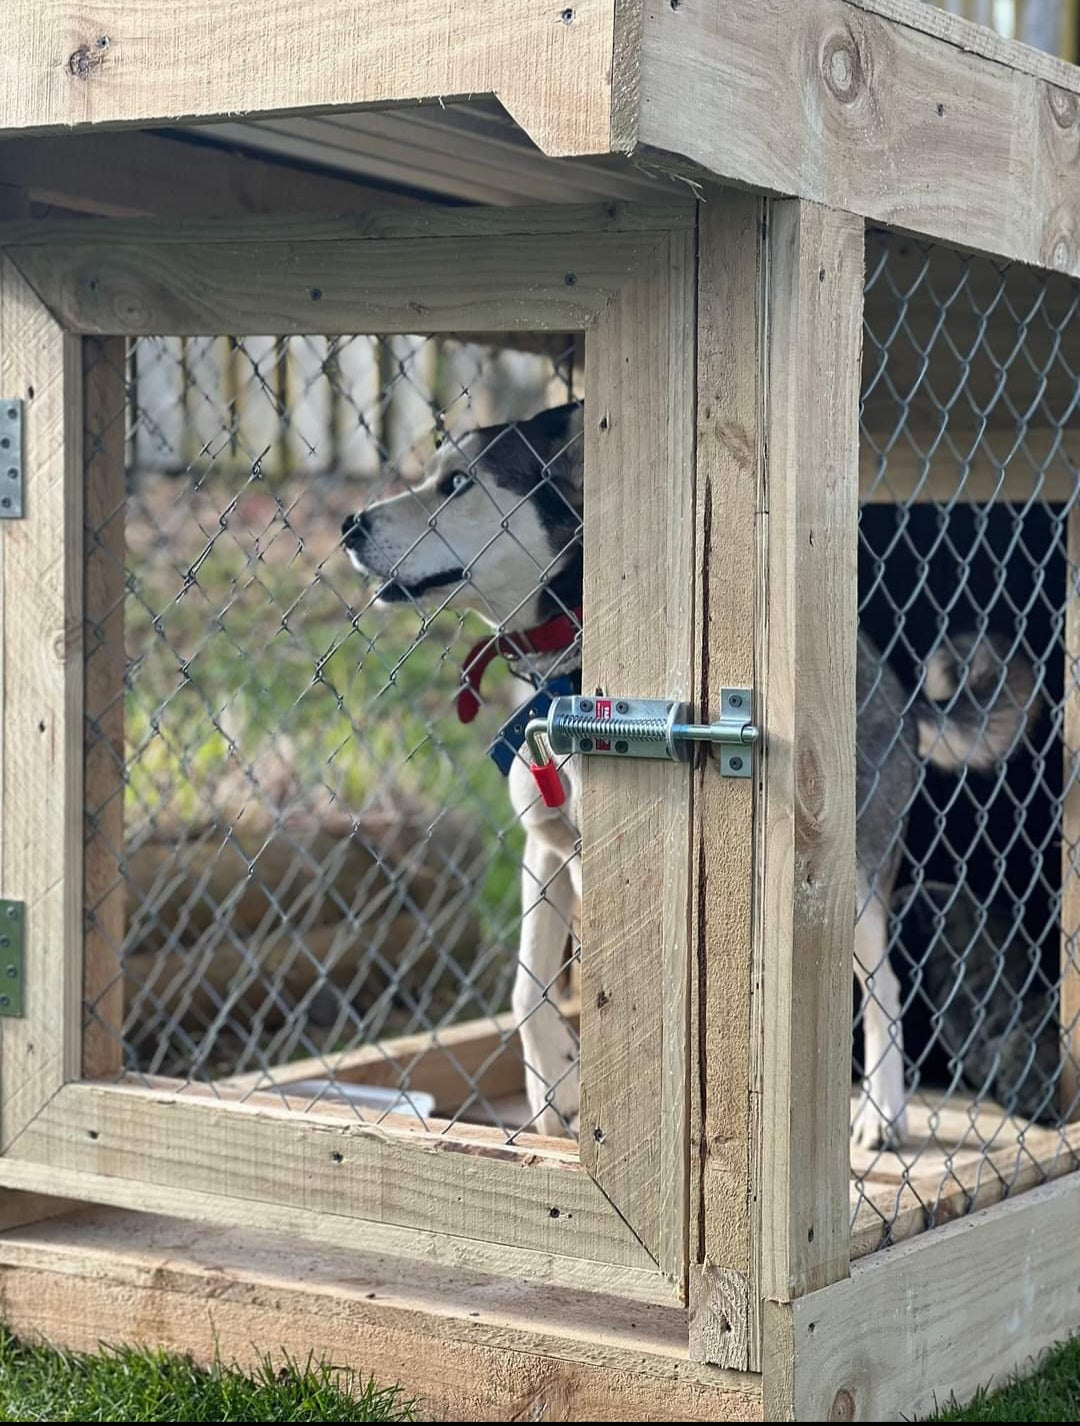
x: 455, y: 483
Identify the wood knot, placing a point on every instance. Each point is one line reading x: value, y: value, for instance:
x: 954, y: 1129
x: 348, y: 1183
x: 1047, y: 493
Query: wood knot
x: 87, y: 58
x: 810, y: 786
x: 1064, y: 106
x: 1061, y: 253
x: 843, y: 66
x: 843, y: 1407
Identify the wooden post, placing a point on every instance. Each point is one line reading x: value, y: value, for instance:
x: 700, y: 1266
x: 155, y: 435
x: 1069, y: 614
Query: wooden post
x: 103, y: 894
x: 41, y: 765
x: 635, y: 815
x: 725, y: 1106
x: 806, y: 875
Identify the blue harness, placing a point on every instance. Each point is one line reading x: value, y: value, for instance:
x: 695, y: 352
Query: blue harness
x: 511, y: 735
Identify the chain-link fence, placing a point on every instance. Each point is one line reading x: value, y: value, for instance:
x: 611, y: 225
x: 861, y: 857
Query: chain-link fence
x: 967, y: 962
x: 319, y: 865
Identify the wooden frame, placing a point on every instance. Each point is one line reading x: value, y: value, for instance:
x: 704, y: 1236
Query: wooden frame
x: 624, y: 277
x: 921, y: 119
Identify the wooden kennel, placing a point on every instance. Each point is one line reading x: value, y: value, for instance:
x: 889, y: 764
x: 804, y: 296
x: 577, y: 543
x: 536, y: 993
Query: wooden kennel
x: 693, y: 1258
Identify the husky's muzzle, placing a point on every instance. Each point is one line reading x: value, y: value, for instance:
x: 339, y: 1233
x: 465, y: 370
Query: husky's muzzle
x: 359, y: 541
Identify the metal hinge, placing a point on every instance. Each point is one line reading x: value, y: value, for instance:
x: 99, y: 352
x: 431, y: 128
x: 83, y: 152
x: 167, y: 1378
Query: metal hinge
x: 12, y: 940
x: 643, y: 728
x: 11, y: 459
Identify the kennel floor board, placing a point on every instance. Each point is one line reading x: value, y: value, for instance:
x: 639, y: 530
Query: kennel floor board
x: 958, y: 1154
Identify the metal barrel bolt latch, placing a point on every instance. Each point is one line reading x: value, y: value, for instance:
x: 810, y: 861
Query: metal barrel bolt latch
x: 638, y: 728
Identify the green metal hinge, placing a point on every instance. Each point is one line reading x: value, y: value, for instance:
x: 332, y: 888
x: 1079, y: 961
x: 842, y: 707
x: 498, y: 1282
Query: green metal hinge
x: 12, y: 939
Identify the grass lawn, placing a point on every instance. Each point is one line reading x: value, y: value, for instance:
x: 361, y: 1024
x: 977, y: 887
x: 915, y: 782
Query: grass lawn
x: 1050, y: 1394
x: 37, y: 1384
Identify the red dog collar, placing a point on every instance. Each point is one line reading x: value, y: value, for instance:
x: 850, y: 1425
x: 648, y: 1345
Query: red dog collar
x: 550, y: 638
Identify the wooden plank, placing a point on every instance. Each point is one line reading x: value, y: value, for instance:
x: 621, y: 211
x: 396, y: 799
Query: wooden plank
x: 1045, y: 469
x: 105, y: 406
x: 975, y: 39
x: 129, y: 175
x: 457, y: 1064
x: 369, y: 225
x: 471, y: 152
x: 952, y: 1311
x: 1069, y: 1011
x: 635, y: 815
x: 338, y: 1231
x: 41, y: 743
x: 330, y: 1163
x: 730, y: 473
x: 831, y: 103
x: 808, y: 788
x: 134, y: 63
x: 467, y: 1346
x: 441, y: 284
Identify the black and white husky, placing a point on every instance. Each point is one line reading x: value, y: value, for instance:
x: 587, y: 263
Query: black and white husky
x: 495, y: 527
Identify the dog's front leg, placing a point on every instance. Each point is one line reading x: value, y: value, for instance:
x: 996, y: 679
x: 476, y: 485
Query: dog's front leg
x: 549, y: 1043
x: 880, y: 1116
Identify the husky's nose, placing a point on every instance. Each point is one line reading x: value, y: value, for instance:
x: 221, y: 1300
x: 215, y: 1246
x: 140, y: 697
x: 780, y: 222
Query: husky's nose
x: 354, y: 528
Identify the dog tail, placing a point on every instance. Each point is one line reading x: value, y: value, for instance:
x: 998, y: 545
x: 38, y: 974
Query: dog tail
x: 978, y: 703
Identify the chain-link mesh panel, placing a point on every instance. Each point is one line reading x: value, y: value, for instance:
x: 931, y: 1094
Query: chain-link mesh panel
x: 965, y: 1048
x: 314, y: 887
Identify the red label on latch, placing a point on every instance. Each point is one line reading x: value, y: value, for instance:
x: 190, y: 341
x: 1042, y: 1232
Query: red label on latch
x: 603, y: 710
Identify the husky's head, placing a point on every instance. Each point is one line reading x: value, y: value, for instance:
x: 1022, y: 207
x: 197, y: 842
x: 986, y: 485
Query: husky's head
x: 495, y: 525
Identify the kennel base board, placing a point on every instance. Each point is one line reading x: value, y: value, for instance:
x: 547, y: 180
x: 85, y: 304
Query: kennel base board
x: 466, y: 1346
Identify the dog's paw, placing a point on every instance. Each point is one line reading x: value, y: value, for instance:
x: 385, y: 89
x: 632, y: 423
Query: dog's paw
x: 877, y: 1127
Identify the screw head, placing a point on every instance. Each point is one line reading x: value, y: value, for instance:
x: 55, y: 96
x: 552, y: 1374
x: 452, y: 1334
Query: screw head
x: 622, y: 746
x: 5, y: 1001
x: 586, y: 705
x: 13, y: 913
x: 735, y: 700
x: 735, y: 764
x: 622, y: 706
x: 585, y: 745
x: 12, y: 972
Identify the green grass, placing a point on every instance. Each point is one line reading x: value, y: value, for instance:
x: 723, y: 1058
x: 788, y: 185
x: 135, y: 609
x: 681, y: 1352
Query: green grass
x: 120, y: 1384
x: 1051, y: 1393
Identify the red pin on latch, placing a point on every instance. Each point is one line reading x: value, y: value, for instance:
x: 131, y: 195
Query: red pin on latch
x: 545, y: 773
